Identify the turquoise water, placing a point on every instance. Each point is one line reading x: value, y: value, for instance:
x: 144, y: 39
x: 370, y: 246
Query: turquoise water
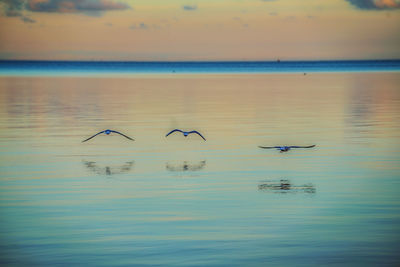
x: 121, y: 68
x: 180, y: 201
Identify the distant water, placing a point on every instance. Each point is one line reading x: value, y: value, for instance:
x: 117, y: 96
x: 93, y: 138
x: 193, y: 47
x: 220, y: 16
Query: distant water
x: 83, y: 68
x: 176, y: 201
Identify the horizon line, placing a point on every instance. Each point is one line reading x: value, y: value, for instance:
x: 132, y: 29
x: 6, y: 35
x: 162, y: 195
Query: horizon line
x: 194, y: 61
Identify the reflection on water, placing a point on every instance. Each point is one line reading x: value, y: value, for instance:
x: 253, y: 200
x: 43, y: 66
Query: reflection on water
x: 53, y: 213
x: 361, y: 109
x: 185, y: 166
x: 285, y: 186
x: 108, y: 170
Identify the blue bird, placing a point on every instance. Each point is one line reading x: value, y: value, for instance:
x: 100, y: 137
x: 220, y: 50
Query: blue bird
x: 185, y: 133
x: 107, y: 132
x: 285, y: 148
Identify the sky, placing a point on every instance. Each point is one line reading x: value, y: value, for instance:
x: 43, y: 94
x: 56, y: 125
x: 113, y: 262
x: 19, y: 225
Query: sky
x: 199, y: 30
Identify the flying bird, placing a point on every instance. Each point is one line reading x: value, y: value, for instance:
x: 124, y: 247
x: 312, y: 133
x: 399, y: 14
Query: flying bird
x: 185, y: 133
x: 285, y: 148
x: 107, y: 132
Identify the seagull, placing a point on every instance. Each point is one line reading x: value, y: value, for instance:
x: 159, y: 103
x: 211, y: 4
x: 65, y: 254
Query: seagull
x: 107, y: 132
x: 185, y: 133
x: 285, y: 148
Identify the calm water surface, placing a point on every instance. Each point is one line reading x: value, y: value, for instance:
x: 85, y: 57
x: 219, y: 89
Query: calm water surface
x: 123, y: 68
x: 183, y: 201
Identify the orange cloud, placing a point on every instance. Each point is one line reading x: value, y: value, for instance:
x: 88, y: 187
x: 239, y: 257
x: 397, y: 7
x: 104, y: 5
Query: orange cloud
x: 387, y: 3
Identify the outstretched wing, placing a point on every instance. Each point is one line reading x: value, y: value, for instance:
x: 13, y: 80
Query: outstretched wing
x: 196, y: 132
x: 93, y: 136
x: 176, y: 130
x: 267, y: 147
x: 302, y: 146
x: 122, y: 134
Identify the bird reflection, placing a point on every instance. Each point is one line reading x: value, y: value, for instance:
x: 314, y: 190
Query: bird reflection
x: 185, y: 166
x: 285, y: 186
x: 107, y: 170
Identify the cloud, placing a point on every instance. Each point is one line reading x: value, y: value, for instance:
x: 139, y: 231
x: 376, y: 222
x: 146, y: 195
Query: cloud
x: 27, y: 19
x: 143, y: 26
x: 375, y: 4
x: 140, y: 26
x: 12, y: 8
x: 74, y: 6
x: 189, y: 7
x: 240, y: 21
x: 15, y: 8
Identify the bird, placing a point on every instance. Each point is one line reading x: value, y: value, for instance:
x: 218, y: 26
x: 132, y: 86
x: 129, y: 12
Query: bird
x: 285, y: 148
x: 107, y: 132
x: 185, y: 133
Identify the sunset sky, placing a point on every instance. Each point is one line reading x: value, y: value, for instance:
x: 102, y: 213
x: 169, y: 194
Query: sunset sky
x: 199, y: 29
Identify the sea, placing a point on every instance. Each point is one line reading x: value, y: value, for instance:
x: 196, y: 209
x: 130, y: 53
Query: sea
x: 183, y: 201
